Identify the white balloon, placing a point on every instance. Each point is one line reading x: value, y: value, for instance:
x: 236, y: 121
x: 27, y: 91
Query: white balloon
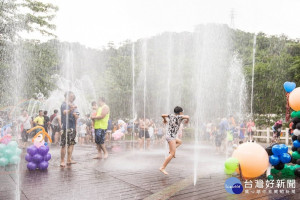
x: 296, y: 132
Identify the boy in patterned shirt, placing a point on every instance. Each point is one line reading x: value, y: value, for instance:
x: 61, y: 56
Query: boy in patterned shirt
x: 174, y: 124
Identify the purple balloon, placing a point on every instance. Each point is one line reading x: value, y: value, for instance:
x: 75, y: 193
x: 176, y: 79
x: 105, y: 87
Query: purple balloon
x: 43, y: 150
x: 31, y: 166
x: 43, y: 165
x: 37, y: 158
x: 28, y: 157
x: 47, y: 157
x: 32, y: 150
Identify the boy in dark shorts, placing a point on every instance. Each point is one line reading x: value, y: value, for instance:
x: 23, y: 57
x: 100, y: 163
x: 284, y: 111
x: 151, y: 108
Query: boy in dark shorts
x: 174, y: 124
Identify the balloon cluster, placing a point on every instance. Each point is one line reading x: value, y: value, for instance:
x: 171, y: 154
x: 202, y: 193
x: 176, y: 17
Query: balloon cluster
x: 37, y: 154
x: 250, y: 158
x: 231, y: 164
x: 37, y: 158
x: 278, y: 155
x: 9, y: 153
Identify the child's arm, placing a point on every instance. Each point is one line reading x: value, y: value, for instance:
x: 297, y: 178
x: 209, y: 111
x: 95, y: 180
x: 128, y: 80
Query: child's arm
x: 186, y: 117
x: 164, y: 116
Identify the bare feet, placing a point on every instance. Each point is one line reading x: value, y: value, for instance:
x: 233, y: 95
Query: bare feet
x: 97, y: 157
x: 163, y: 171
x: 71, y: 162
x: 105, y: 155
x: 62, y: 164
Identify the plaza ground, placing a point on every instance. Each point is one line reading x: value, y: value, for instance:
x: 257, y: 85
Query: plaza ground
x: 195, y: 173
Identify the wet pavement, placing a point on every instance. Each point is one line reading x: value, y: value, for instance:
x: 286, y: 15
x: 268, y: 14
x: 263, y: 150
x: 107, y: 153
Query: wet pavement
x: 127, y: 174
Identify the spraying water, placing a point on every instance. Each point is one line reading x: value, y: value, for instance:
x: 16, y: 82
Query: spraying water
x: 253, y: 65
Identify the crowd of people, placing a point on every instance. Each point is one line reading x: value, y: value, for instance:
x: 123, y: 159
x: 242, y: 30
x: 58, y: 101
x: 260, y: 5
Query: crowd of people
x: 226, y: 132
x: 68, y: 127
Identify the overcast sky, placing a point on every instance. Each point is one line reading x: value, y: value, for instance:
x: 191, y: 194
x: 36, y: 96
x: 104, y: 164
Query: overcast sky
x: 96, y: 22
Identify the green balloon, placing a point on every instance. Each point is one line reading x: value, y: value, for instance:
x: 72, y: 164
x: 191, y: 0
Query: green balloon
x: 3, y: 161
x: 296, y: 155
x: 274, y: 171
x: 295, y: 114
x: 228, y: 171
x: 8, y: 153
x: 12, y: 144
x: 231, y: 163
x: 2, y: 147
x: 14, y: 159
x: 18, y: 151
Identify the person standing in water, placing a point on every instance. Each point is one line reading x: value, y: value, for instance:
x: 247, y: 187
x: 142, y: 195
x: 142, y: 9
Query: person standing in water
x: 100, y: 125
x: 174, y: 124
x: 69, y: 116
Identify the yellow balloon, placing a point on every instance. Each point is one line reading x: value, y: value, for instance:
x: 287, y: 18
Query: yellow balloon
x: 253, y: 159
x: 294, y: 99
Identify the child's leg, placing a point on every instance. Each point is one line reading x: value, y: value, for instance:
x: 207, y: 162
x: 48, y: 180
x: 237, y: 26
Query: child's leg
x: 178, y: 142
x: 172, y: 148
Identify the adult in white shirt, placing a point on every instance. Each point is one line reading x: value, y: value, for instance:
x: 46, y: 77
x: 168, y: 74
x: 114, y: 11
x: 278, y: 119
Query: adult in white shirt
x: 25, y: 124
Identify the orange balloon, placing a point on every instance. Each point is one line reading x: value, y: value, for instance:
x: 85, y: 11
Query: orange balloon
x: 253, y: 159
x: 294, y: 99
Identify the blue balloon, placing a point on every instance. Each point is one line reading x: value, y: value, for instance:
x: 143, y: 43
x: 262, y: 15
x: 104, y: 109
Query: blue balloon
x: 296, y: 144
x: 274, y: 160
x: 285, y: 158
x: 284, y: 148
x: 289, y: 86
x: 277, y: 150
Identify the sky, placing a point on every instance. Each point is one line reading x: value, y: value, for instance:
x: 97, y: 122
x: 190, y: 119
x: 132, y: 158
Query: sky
x: 94, y: 23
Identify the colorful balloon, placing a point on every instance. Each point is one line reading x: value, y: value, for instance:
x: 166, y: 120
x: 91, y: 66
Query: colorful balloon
x: 294, y: 99
x: 3, y: 161
x: 37, y: 158
x: 285, y: 158
x: 296, y: 155
x: 15, y: 160
x: 289, y: 86
x: 274, y: 160
x: 28, y: 157
x: 43, y: 150
x: 253, y: 159
x: 231, y: 163
x: 32, y: 150
x: 47, y: 157
x: 228, y: 171
x: 2, y: 147
x: 277, y: 150
x: 284, y: 148
x: 296, y: 144
x: 31, y: 166
x: 43, y: 165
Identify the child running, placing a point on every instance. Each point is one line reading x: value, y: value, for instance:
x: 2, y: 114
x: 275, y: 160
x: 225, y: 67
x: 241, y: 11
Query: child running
x: 174, y: 124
